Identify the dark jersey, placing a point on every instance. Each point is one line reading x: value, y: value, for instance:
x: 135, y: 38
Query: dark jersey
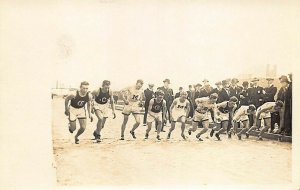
x: 79, y: 101
x: 227, y: 109
x: 102, y: 98
x: 157, y: 106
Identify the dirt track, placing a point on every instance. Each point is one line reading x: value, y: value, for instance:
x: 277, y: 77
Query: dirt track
x: 140, y: 162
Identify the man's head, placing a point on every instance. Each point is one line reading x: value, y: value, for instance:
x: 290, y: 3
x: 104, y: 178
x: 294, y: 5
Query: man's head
x: 284, y: 81
x: 234, y: 81
x: 218, y: 84
x: 183, y: 95
x: 213, y: 97
x: 254, y: 81
x: 225, y: 83
x: 151, y: 85
x: 245, y: 84
x: 139, y: 84
x: 232, y: 101
x: 205, y: 83
x: 84, y: 86
x: 190, y: 87
x: 270, y: 81
x: 251, y: 109
x: 180, y: 89
x: 106, y: 84
x: 166, y: 83
x: 159, y: 95
x: 278, y: 105
x: 198, y: 86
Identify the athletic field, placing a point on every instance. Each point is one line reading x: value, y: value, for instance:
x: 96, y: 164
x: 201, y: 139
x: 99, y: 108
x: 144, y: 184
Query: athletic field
x: 174, y: 161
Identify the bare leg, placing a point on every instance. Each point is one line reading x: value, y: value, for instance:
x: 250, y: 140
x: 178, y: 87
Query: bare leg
x: 171, y: 129
x: 124, y: 125
x: 267, y: 124
x: 137, y: 122
x: 99, y: 123
x: 205, y: 128
x: 82, y: 123
x: 148, y: 129
x: 72, y: 126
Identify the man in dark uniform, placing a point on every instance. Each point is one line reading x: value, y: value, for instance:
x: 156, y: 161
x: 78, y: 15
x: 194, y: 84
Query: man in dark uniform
x: 234, y: 89
x: 168, y: 97
x: 286, y: 122
x: 190, y: 98
x: 178, y: 93
x: 269, y: 94
x: 206, y: 90
x: 224, y: 93
x: 218, y: 90
x: 244, y: 94
x: 256, y: 96
x: 149, y: 94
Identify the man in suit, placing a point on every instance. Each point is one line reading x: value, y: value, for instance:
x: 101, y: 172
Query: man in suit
x: 224, y: 93
x: 256, y: 96
x: 197, y: 92
x: 244, y: 94
x: 168, y: 97
x: 218, y: 90
x: 149, y: 94
x: 190, y: 98
x: 206, y: 90
x: 177, y: 95
x: 269, y: 94
x: 234, y: 89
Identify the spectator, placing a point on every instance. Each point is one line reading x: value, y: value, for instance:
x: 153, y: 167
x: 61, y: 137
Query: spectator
x: 149, y: 94
x: 218, y: 90
x: 234, y: 89
x: 244, y: 94
x: 224, y: 93
x: 269, y: 94
x: 178, y: 93
x: 286, y: 122
x: 190, y: 98
x: 255, y: 96
x: 206, y: 90
x: 168, y: 97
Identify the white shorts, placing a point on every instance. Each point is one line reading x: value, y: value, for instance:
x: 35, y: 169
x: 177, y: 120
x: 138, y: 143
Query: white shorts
x: 179, y: 116
x: 102, y: 108
x: 131, y: 109
x: 200, y: 116
x: 224, y: 116
x: 154, y: 116
x: 77, y: 113
x: 265, y: 115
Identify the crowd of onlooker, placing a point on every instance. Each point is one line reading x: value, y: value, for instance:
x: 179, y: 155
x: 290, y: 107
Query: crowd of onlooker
x: 249, y: 92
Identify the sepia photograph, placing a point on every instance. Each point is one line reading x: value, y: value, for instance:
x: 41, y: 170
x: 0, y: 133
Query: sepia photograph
x: 152, y: 94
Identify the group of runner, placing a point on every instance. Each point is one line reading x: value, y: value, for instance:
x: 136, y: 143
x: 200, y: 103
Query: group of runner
x: 207, y: 111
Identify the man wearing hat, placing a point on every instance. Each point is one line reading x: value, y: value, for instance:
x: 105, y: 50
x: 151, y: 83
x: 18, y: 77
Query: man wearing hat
x: 223, y: 95
x: 286, y: 122
x: 244, y: 94
x: 269, y: 94
x: 256, y: 96
x: 234, y: 89
x: 168, y: 97
x: 206, y: 90
x: 149, y: 94
x: 218, y: 89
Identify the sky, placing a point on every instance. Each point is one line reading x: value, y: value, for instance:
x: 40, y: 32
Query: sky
x: 185, y: 41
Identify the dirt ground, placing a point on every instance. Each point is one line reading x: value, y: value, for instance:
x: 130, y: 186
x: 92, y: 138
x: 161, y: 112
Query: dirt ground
x: 174, y: 161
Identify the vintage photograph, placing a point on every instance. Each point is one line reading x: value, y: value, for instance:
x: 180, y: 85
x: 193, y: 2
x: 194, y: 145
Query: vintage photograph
x: 178, y: 93
x: 156, y: 94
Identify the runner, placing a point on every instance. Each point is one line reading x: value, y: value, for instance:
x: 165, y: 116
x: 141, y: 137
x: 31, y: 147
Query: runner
x: 264, y: 112
x: 225, y: 111
x: 156, y: 107
x: 77, y: 110
x: 241, y: 116
x: 100, y: 107
x: 179, y: 111
x: 204, y: 106
x: 133, y: 99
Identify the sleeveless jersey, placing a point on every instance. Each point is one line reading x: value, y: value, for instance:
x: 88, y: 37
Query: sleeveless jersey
x: 180, y: 106
x: 157, y: 106
x: 102, y: 98
x: 79, y: 101
x: 227, y: 109
x: 134, y: 95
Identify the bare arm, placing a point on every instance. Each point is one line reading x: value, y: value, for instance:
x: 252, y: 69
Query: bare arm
x: 150, y: 105
x: 188, y: 108
x: 68, y: 98
x: 89, y: 105
x: 164, y: 110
